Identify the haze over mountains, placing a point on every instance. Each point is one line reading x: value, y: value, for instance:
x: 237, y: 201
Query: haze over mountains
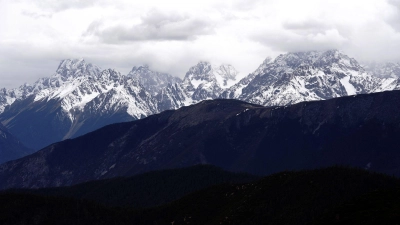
x: 80, y: 97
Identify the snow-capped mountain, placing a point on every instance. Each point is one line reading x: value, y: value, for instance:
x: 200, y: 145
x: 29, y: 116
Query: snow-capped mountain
x: 56, y: 85
x: 306, y: 76
x: 384, y: 70
x: 80, y: 97
x: 173, y: 96
x: 202, y: 81
x: 77, y: 99
x: 153, y: 81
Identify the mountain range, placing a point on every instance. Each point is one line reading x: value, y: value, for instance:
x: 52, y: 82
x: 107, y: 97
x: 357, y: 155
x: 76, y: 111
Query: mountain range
x: 80, y: 97
x: 361, y: 131
x: 149, y: 139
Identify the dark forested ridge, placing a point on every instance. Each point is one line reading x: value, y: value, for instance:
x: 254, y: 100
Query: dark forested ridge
x: 21, y: 209
x: 360, y: 131
x: 283, y: 198
x: 335, y: 195
x: 148, y: 189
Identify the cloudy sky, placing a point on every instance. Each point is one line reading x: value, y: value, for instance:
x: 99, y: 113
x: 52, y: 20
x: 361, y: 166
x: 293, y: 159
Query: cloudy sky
x: 171, y: 36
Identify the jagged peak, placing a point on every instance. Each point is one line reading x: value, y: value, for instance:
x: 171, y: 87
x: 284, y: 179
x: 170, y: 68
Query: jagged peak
x: 225, y: 66
x: 313, y: 54
x: 201, y: 68
x: 338, y: 58
x: 144, y: 71
x: 140, y: 67
x: 226, y: 71
x: 139, y: 70
x: 204, y: 72
x: 203, y: 65
x: 203, y: 62
x: 111, y: 73
x: 71, y: 63
x: 298, y: 57
x: 267, y: 60
x: 73, y: 67
x: 226, y: 75
x: 317, y: 59
x: 383, y: 69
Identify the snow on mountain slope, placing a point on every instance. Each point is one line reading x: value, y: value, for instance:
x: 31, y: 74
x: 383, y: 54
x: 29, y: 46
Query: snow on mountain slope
x: 68, y: 72
x: 235, y: 91
x: 384, y: 70
x: 202, y: 81
x: 80, y: 97
x: 225, y: 75
x: 304, y: 76
x: 173, y: 96
x: 77, y: 99
x: 151, y: 80
x: 125, y: 94
x: 76, y: 84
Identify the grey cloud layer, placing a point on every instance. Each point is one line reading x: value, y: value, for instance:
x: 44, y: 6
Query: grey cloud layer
x: 302, y: 39
x: 172, y: 36
x: 394, y: 19
x: 61, y: 5
x: 155, y: 26
x: 306, y: 27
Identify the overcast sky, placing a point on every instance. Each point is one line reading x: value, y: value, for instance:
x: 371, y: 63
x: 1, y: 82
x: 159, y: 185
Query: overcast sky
x: 171, y: 36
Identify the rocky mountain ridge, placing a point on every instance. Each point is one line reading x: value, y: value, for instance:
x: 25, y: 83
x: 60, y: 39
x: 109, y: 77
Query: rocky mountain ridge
x: 80, y: 97
x: 307, y: 76
x: 384, y: 70
x: 153, y: 81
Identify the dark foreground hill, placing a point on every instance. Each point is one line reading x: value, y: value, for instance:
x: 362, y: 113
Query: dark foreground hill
x: 148, y: 189
x: 361, y: 131
x: 334, y: 195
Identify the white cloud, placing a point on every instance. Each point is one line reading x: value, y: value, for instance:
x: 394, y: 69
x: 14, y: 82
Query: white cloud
x: 171, y: 36
x: 392, y: 16
x: 154, y: 26
x: 288, y: 41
